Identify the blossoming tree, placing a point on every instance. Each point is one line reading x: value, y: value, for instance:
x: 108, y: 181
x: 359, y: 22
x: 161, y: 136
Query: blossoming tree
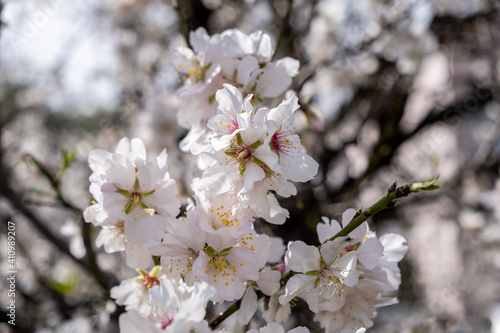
x: 249, y: 156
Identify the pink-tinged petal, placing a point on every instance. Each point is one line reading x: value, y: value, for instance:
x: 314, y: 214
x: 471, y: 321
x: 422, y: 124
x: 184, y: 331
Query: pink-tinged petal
x: 269, y: 281
x: 199, y: 39
x: 245, y: 69
x: 108, y: 187
x: 347, y: 216
x: 112, y: 238
x: 133, y: 322
x: 262, y: 247
x: 164, y: 199
x: 299, y: 167
x: 121, y: 172
x: 327, y: 230
x: 137, y: 149
x: 89, y: 214
x: 246, y: 263
x: 284, y: 110
x: 336, y: 302
x: 277, y: 250
x: 263, y: 46
x: 331, y: 250
x: 113, y: 205
x: 97, y: 159
x: 137, y: 256
x: 194, y: 308
x: 345, y: 269
x: 369, y: 252
x: 200, y: 266
x: 141, y: 227
x: 229, y: 98
x: 144, y: 175
x: 394, y: 247
x: 253, y: 173
x: 277, y: 77
x: 295, y: 286
x: 303, y: 257
x: 248, y: 306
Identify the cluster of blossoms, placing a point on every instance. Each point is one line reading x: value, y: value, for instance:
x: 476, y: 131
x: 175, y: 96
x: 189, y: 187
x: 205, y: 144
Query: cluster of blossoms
x: 231, y: 57
x: 212, y: 252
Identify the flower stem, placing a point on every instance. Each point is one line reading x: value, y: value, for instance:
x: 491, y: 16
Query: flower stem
x: 361, y: 216
x: 387, y: 201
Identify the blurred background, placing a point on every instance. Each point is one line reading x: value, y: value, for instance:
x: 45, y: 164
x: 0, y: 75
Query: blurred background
x: 390, y: 90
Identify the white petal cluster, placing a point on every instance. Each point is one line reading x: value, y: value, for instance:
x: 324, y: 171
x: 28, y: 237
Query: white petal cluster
x: 255, y: 153
x: 248, y: 154
x: 232, y: 57
x: 379, y: 276
x: 135, y: 199
x: 168, y: 313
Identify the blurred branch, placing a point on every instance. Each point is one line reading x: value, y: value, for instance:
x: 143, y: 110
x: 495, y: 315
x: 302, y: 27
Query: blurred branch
x: 54, y: 183
x: 387, y: 201
x: 192, y: 15
x: 90, y: 256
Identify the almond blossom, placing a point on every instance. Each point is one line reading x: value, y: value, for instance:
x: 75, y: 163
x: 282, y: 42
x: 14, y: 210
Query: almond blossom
x: 325, y: 272
x: 169, y: 313
x: 135, y: 199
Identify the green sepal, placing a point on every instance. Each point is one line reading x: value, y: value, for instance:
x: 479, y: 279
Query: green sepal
x: 230, y: 153
x: 125, y: 193
x: 209, y: 251
x: 226, y: 251
x: 258, y: 162
x: 207, y: 66
x: 147, y: 194
x: 137, y: 186
x: 321, y: 262
x: 316, y: 282
x: 242, y: 166
x: 239, y: 140
x: 255, y: 145
x: 311, y: 273
x: 128, y: 208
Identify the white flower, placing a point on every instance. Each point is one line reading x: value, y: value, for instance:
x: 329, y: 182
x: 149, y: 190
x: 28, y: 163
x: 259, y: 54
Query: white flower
x: 275, y: 78
x: 268, y: 283
x: 277, y: 311
x: 227, y: 262
x: 133, y: 190
x: 181, y: 248
x: 232, y: 110
x: 255, y: 152
x: 216, y: 211
x: 326, y: 272
x: 377, y: 287
x: 168, y: 313
x: 366, y: 244
x: 133, y: 292
x: 294, y: 163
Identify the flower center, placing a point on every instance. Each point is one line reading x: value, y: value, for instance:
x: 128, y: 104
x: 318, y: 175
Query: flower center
x: 244, y: 153
x: 135, y: 197
x: 150, y: 281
